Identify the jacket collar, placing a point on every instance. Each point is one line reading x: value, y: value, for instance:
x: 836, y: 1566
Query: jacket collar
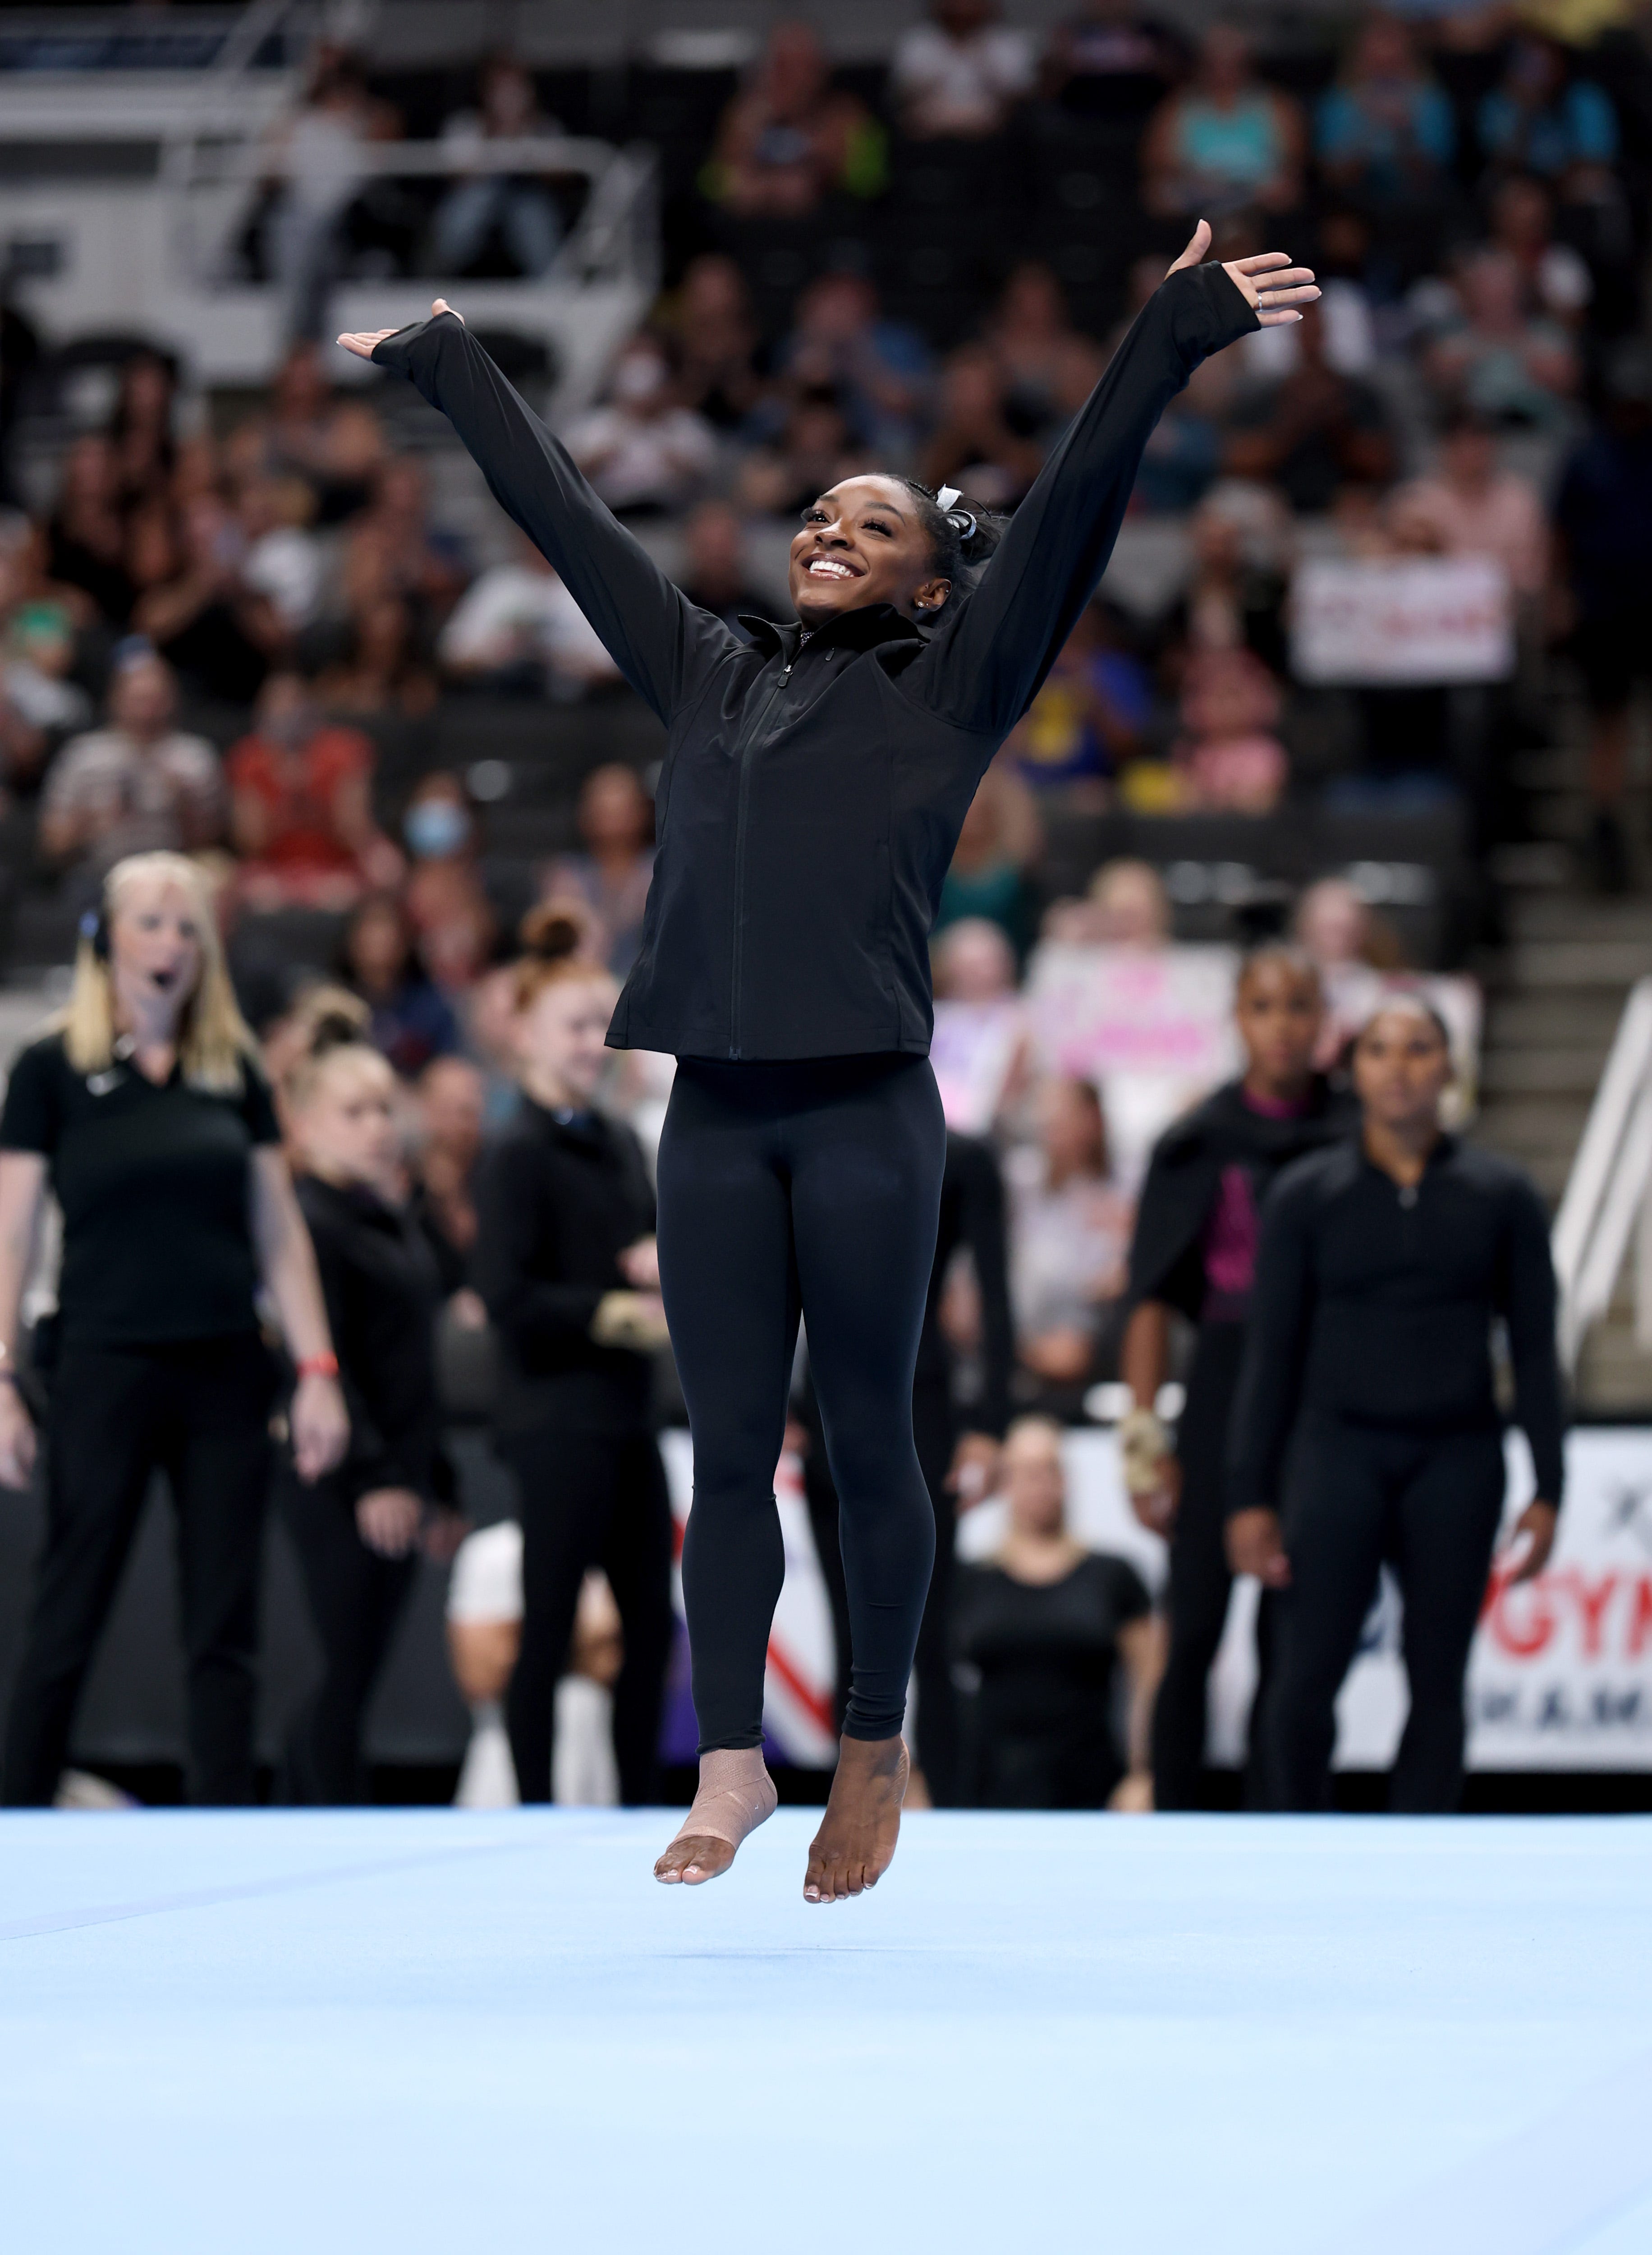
x: 862, y: 627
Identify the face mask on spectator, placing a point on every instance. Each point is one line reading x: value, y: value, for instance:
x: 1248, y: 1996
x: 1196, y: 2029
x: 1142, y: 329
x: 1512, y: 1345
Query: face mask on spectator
x: 436, y: 826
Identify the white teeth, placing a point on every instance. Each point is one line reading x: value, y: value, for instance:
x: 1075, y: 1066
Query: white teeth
x: 824, y: 567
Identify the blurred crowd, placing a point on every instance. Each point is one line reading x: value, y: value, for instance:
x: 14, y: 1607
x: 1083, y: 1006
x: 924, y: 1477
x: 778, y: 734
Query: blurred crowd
x: 227, y: 616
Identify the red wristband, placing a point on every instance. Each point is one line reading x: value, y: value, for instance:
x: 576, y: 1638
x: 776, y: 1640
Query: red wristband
x: 318, y: 1365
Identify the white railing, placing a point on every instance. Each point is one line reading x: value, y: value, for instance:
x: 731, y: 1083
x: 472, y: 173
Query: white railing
x: 1607, y: 1207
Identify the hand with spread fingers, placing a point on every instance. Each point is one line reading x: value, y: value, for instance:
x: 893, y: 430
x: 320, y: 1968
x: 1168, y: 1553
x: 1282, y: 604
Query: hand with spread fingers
x: 1269, y: 282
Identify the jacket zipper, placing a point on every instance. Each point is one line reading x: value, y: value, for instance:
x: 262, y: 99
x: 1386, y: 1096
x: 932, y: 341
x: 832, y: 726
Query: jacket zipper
x: 746, y: 751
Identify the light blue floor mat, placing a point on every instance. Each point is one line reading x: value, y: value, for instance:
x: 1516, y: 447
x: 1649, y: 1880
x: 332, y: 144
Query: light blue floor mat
x: 394, y: 2033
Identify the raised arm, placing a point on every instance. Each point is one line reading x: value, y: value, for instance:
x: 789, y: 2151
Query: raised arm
x: 662, y: 643
x: 987, y: 661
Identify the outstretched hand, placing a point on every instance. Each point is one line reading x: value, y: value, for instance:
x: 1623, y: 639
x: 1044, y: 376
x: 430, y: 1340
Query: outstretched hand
x: 1268, y: 282
x: 362, y: 342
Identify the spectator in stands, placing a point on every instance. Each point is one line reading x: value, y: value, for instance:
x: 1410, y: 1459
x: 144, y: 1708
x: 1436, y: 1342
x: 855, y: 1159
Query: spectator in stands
x: 1090, y: 719
x: 411, y: 1021
x: 300, y: 806
x: 1042, y: 1627
x: 1228, y: 758
x: 335, y: 444
x: 714, y: 575
x: 450, y: 1106
x: 1354, y: 952
x: 41, y: 701
x: 1226, y: 141
x: 284, y: 562
x: 1110, y: 63
x: 1558, y: 286
x: 1496, y: 358
x: 1310, y: 430
x: 789, y: 138
x: 1603, y: 526
x: 644, y: 451
x: 135, y: 784
x: 973, y: 446
x: 958, y: 76
x: 1126, y: 906
x: 86, y: 533
x: 1476, y: 508
x: 1384, y: 133
x: 392, y: 550
x: 712, y: 328
x: 218, y: 634
x: 1069, y: 1239
x: 522, y: 207
x: 447, y: 902
x: 1049, y: 367
x: 609, y: 878
x: 877, y: 369
x: 517, y: 631
x: 316, y: 171
x: 998, y: 845
x: 982, y: 1050
x: 814, y: 451
x: 142, y: 436
x: 1235, y: 597
x: 381, y: 670
x: 1541, y: 117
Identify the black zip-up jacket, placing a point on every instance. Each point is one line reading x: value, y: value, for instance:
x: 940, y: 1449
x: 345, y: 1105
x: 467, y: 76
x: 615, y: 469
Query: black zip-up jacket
x: 379, y: 1279
x: 814, y: 786
x: 557, y: 1201
x: 1167, y: 1248
x: 1374, y: 1306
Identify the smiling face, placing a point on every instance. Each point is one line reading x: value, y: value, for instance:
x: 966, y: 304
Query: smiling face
x: 862, y: 543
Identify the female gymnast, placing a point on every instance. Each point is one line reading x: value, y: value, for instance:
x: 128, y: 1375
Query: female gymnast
x: 814, y: 782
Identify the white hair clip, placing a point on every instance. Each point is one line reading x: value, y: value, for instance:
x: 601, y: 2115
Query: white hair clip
x: 947, y: 496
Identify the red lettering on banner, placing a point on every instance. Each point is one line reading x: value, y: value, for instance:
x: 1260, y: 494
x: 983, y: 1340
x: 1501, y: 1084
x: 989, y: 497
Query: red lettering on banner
x: 1592, y: 1604
x: 1523, y: 1642
x: 1641, y: 1619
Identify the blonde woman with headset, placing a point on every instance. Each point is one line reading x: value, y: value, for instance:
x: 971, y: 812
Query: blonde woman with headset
x: 144, y: 1109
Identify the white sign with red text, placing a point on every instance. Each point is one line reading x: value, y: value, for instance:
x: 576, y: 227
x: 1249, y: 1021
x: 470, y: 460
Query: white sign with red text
x: 1419, y: 622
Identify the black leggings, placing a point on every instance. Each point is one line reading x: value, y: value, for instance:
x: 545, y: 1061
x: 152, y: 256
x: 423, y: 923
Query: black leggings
x: 1429, y: 1506
x: 1201, y: 1579
x: 357, y: 1598
x: 811, y: 1188
x: 591, y: 1499
x: 200, y: 1413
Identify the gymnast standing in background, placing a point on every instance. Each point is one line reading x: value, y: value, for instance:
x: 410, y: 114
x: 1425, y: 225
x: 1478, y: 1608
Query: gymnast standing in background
x: 360, y: 1528
x: 145, y: 1112
x: 1385, y: 1262
x: 814, y: 782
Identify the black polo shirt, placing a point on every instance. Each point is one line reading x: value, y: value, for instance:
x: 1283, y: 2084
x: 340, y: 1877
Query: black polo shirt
x: 155, y: 1184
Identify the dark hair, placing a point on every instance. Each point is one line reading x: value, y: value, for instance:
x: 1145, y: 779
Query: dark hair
x: 1285, y: 952
x: 961, y: 537
x: 553, y: 947
x: 1419, y: 1007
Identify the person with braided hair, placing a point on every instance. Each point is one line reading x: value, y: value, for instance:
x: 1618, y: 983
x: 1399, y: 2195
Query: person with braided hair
x: 814, y: 782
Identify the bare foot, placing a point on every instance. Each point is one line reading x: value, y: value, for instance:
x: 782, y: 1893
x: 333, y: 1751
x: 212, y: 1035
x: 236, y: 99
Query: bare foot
x: 693, y: 1858
x: 855, y: 1843
x: 735, y: 1794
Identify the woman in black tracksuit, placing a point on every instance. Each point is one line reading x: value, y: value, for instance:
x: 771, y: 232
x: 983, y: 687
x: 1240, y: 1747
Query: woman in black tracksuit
x: 1383, y: 1264
x: 564, y: 1261
x: 814, y: 782
x: 1193, y: 1253
x: 358, y: 1532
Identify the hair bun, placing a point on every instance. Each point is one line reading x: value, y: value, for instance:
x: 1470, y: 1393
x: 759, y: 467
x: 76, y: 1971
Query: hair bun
x: 332, y: 1018
x: 550, y: 935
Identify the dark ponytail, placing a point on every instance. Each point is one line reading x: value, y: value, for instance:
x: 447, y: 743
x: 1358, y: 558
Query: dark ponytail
x: 961, y: 537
